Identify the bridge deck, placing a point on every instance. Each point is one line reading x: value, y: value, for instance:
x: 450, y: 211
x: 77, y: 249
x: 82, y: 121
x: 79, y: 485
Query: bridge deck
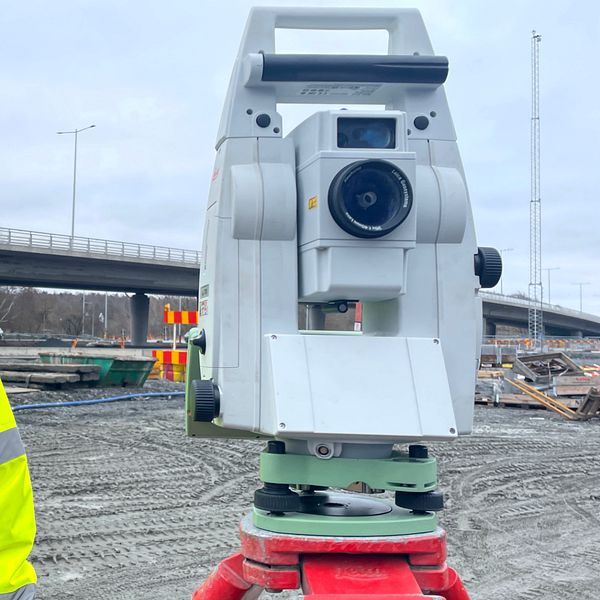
x: 34, y: 258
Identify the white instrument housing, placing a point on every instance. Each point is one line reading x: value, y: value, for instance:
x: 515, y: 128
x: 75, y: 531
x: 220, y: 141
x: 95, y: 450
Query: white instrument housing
x: 271, y: 240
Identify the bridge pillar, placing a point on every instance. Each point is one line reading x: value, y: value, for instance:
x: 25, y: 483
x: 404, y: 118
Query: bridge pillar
x: 315, y: 317
x: 489, y: 327
x: 140, y: 307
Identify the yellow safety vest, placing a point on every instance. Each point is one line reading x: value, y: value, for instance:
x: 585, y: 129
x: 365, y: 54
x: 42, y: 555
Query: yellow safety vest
x: 17, y: 519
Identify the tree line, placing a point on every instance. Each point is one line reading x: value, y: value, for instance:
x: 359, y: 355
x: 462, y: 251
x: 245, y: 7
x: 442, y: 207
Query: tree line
x: 49, y: 312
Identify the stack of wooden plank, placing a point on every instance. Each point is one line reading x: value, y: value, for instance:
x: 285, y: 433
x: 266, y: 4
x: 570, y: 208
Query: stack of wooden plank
x: 48, y: 376
x: 573, y: 385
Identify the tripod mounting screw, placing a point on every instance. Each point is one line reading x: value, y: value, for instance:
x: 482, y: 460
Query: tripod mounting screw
x: 207, y: 403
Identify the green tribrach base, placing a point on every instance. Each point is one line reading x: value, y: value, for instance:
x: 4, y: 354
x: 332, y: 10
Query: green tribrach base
x: 398, y: 521
x: 399, y: 473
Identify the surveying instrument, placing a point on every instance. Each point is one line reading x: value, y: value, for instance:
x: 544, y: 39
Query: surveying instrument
x: 364, y: 206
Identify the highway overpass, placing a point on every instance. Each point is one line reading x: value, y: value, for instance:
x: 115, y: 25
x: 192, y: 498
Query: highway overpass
x: 37, y: 259
x: 558, y: 320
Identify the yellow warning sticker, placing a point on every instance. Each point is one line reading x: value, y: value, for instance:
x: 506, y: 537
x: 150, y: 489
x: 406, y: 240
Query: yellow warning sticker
x: 312, y: 202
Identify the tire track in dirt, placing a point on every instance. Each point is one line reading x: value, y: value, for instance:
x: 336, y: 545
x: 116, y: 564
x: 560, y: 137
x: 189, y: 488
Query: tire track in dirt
x: 518, y: 519
x: 130, y: 509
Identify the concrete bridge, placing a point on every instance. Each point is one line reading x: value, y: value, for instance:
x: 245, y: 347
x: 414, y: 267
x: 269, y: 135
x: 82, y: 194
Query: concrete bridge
x: 37, y: 259
x: 558, y: 320
x: 33, y: 258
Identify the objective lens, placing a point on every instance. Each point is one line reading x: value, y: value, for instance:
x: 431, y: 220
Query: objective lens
x: 369, y: 199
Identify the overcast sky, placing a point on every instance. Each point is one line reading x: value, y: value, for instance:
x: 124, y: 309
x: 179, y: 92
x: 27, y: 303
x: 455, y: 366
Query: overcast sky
x: 152, y: 77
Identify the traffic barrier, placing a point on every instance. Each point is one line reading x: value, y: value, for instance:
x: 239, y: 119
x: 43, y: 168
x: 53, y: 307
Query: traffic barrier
x: 183, y: 317
x: 171, y: 364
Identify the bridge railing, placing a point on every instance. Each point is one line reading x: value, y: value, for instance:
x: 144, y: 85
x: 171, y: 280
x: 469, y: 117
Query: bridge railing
x: 95, y: 247
x: 548, y: 307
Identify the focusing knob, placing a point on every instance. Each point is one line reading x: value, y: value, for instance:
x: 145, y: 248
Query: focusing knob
x: 488, y: 266
x: 206, y: 400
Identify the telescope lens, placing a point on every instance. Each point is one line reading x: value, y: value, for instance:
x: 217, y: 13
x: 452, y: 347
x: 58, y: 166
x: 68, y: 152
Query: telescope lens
x: 369, y: 199
x: 364, y: 132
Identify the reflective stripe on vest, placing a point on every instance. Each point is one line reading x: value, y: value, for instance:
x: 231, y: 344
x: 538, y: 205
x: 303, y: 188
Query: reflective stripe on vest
x: 27, y: 592
x: 11, y: 445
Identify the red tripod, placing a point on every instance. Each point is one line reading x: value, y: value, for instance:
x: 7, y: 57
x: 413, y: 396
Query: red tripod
x: 407, y: 567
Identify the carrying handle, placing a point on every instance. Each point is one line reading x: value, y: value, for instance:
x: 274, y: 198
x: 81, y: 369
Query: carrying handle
x: 262, y: 78
x: 336, y: 18
x: 407, y: 33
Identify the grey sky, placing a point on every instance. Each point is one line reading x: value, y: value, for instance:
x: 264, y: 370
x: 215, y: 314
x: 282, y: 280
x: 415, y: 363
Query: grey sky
x: 152, y: 76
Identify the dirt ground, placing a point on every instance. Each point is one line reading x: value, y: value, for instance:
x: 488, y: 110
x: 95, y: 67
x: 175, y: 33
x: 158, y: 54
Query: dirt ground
x: 128, y: 508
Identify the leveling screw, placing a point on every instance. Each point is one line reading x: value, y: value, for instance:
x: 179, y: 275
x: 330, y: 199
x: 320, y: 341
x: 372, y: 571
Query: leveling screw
x: 417, y: 451
x: 275, y: 447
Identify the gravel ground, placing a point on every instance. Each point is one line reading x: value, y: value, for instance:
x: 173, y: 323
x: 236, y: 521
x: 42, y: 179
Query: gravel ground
x: 128, y: 508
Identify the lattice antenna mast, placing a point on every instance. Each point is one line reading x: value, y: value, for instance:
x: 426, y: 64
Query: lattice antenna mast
x: 536, y: 325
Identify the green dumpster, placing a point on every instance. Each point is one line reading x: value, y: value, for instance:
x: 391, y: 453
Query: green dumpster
x: 115, y: 370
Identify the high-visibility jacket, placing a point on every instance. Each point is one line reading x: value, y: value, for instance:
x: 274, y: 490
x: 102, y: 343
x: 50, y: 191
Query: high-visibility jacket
x: 17, y: 520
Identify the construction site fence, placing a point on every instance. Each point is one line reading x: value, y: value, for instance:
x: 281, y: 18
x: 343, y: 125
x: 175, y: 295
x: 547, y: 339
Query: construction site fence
x: 562, y: 343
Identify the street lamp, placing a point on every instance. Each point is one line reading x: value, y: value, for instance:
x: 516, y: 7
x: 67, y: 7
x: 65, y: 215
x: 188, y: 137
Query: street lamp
x: 581, y: 284
x: 550, y: 269
x: 75, y: 131
x: 502, y: 250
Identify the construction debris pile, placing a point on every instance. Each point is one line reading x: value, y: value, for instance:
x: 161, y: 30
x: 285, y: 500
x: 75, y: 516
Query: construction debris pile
x: 552, y: 380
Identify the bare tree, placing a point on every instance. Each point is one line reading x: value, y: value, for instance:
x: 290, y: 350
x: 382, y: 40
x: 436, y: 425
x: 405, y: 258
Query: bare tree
x: 31, y: 310
x: 6, y: 305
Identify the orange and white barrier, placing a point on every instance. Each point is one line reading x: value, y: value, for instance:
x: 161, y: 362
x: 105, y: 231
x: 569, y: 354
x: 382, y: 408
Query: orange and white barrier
x: 183, y: 317
x: 171, y: 364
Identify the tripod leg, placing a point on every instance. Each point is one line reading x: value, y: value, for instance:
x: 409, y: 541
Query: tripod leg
x: 227, y: 582
x: 456, y: 590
